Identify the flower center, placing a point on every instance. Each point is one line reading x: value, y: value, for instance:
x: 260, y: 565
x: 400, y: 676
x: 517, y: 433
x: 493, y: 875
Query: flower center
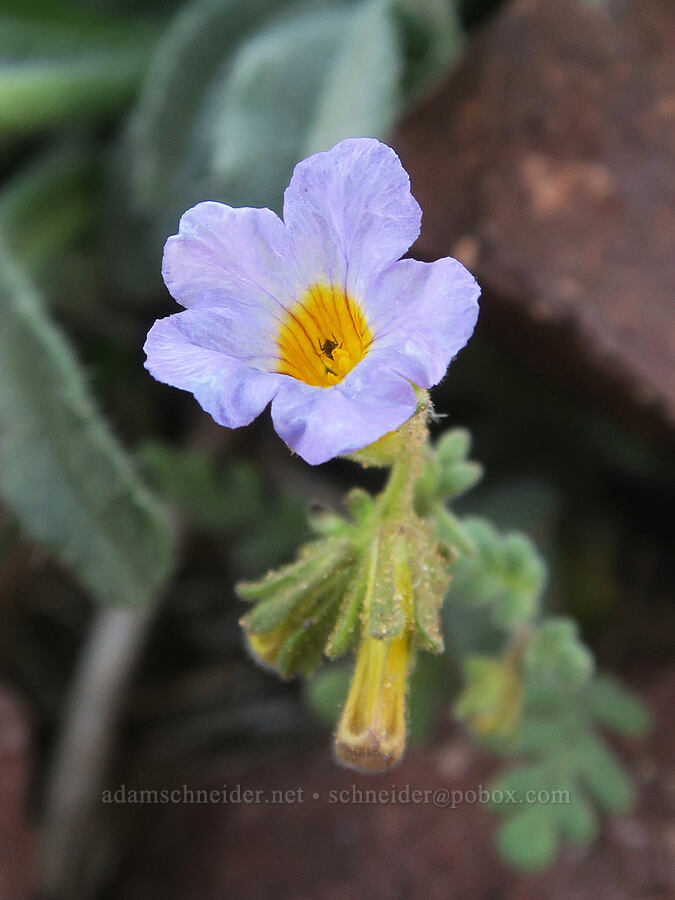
x: 323, y: 337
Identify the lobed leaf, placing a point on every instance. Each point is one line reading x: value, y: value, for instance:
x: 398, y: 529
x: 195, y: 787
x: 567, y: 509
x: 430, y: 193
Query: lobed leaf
x: 616, y: 708
x: 528, y: 839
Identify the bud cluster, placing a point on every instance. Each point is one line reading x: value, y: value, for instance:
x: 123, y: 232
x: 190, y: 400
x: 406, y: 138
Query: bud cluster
x: 374, y: 579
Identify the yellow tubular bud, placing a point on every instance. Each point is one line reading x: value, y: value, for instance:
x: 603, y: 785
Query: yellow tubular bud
x: 371, y: 735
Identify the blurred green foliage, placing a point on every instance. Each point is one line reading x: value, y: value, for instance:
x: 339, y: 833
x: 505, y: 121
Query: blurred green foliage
x: 262, y: 527
x: 61, y: 471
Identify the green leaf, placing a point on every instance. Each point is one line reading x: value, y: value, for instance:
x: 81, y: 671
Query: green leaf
x: 47, y: 94
x: 505, y: 571
x: 527, y: 840
x: 189, y: 58
x: 453, y: 533
x: 362, y: 89
x: 61, y: 32
x: 327, y: 692
x: 239, y: 93
x: 605, y: 777
x: 361, y: 506
x: 555, y: 655
x: 459, y: 478
x: 61, y: 472
x: 616, y: 708
x: 432, y: 39
x: 47, y: 206
x: 577, y: 820
x: 453, y: 446
x: 258, y: 116
x: 523, y: 565
x: 512, y: 787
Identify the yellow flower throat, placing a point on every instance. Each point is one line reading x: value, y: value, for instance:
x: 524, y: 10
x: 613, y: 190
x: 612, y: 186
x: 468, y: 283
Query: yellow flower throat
x: 323, y: 337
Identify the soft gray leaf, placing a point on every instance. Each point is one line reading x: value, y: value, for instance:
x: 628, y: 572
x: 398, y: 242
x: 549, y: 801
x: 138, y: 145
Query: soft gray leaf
x: 61, y: 472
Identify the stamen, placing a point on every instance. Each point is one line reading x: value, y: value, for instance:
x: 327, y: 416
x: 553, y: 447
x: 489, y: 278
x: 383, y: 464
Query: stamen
x: 323, y: 337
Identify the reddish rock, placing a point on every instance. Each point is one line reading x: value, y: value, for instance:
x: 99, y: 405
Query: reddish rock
x: 325, y: 838
x: 547, y: 164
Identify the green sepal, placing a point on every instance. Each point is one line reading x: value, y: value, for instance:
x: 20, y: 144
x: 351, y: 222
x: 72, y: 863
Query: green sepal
x: 269, y: 613
x: 314, y: 561
x: 346, y: 624
x: 430, y: 581
x: 391, y: 586
x: 302, y: 652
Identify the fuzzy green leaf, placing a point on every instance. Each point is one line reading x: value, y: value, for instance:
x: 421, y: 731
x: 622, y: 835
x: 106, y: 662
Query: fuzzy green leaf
x: 505, y: 571
x: 362, y: 90
x: 190, y: 55
x: 453, y: 533
x: 554, y: 655
x: 360, y: 505
x: 459, y: 478
x: 238, y: 93
x: 61, y: 472
x: 453, y: 446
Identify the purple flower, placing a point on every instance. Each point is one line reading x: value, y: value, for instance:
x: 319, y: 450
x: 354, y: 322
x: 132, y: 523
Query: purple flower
x: 316, y: 313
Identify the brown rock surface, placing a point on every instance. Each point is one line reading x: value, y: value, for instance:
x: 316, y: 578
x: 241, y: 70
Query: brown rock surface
x: 15, y: 834
x: 547, y: 164
x: 314, y: 845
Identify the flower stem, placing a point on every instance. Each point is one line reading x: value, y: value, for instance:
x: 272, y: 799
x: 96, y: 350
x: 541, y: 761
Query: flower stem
x: 396, y: 500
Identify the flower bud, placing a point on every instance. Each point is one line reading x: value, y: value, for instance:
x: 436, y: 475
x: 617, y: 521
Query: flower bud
x: 371, y: 735
x: 492, y: 699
